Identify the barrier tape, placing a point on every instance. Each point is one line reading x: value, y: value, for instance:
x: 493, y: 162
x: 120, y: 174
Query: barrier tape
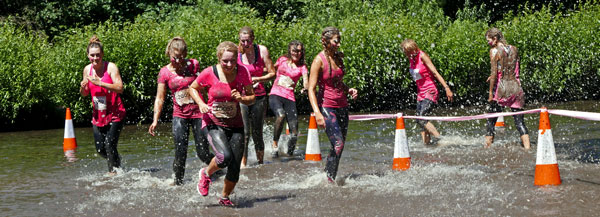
x: 592, y: 116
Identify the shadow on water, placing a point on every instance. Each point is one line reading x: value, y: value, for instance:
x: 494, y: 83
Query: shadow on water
x: 584, y: 151
x: 151, y: 170
x: 249, y: 202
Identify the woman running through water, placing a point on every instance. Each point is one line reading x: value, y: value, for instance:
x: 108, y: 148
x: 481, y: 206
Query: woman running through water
x: 330, y: 104
x: 424, y: 74
x: 178, y: 75
x: 505, y: 86
x: 101, y: 80
x: 281, y: 99
x: 224, y: 84
x: 256, y: 58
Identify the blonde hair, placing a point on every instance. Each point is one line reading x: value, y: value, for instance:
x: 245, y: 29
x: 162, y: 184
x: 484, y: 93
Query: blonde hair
x: 95, y: 43
x: 328, y: 33
x: 226, y: 46
x: 409, y: 46
x: 495, y: 33
x: 176, y: 43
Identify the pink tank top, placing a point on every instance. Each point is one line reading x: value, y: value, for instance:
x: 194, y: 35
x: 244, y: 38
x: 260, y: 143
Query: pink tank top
x: 107, y: 105
x: 256, y: 69
x: 426, y: 88
x: 286, y: 80
x: 183, y: 104
x: 331, y: 86
x: 224, y: 110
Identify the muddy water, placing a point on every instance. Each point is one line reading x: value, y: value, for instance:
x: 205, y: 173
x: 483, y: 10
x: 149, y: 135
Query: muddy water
x: 458, y: 177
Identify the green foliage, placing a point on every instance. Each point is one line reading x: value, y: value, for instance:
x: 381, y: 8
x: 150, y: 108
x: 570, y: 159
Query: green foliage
x: 559, y: 52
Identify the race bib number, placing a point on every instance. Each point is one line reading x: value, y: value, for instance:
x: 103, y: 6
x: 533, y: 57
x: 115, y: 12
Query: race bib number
x: 224, y: 109
x: 100, y: 103
x: 415, y: 74
x: 285, y: 82
x: 183, y: 98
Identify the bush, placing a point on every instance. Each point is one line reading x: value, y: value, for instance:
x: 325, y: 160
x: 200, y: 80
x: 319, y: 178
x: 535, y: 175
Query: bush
x: 559, y: 53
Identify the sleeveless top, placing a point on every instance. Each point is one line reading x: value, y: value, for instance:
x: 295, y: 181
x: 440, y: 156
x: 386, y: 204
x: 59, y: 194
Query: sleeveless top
x: 508, y: 91
x: 256, y: 69
x: 224, y: 110
x: 331, y: 87
x: 287, y: 78
x: 183, y: 104
x: 426, y: 88
x: 107, y: 105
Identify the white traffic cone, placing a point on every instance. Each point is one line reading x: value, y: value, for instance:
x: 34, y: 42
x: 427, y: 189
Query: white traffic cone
x: 69, y: 142
x: 401, y: 152
x: 313, y: 147
x: 546, y: 166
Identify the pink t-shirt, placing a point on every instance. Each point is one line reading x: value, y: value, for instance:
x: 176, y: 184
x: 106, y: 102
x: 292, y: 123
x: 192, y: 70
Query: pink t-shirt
x: 256, y: 69
x: 286, y: 80
x: 183, y: 104
x: 331, y: 86
x: 426, y: 88
x: 107, y: 105
x: 224, y: 110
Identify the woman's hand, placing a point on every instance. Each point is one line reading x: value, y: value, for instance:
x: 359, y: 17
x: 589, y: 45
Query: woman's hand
x: 320, y: 120
x: 236, y: 95
x: 152, y: 127
x: 95, y: 80
x: 449, y: 94
x: 203, y: 108
x: 353, y: 93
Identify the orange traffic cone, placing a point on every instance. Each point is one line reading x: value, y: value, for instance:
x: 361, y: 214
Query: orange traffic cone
x: 401, y: 153
x: 313, y: 147
x: 500, y: 122
x: 546, y: 166
x: 69, y: 143
x: 287, y: 129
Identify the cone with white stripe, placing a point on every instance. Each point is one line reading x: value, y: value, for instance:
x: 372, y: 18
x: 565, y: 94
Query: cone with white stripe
x: 69, y: 143
x: 500, y: 122
x: 313, y: 147
x: 287, y: 129
x: 546, y: 166
x: 401, y: 153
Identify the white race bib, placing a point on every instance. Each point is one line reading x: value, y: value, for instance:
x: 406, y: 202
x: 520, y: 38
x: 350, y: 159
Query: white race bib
x: 415, y: 74
x: 224, y: 109
x: 183, y: 98
x: 285, y: 82
x: 99, y: 103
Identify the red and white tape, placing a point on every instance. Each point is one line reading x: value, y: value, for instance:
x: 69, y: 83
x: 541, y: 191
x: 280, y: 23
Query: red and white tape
x: 592, y: 116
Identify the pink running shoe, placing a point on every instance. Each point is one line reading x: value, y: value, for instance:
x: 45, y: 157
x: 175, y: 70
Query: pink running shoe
x: 224, y: 201
x: 203, y: 182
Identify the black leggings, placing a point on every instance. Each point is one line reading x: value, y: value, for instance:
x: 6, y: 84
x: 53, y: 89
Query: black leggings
x: 228, y: 146
x: 424, y: 107
x: 519, y: 122
x: 181, y: 136
x: 284, y: 109
x: 336, y: 127
x: 254, y: 117
x: 106, y: 139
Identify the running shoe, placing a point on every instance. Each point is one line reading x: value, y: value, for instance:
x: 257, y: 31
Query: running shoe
x: 275, y: 153
x: 290, y: 150
x: 224, y: 201
x: 203, y: 182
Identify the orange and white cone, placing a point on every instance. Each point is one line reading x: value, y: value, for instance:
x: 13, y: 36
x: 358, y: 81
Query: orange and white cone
x: 500, y: 122
x: 313, y: 147
x: 546, y: 166
x: 287, y: 129
x: 69, y: 143
x: 401, y: 152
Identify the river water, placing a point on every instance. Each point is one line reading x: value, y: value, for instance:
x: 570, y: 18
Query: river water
x: 458, y: 177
